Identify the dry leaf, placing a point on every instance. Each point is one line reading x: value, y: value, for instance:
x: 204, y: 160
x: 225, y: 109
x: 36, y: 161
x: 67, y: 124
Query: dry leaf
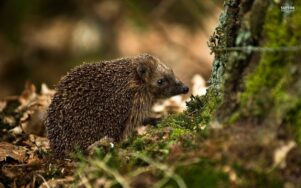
x: 10, y: 120
x: 9, y: 150
x: 34, y: 108
x: 28, y: 94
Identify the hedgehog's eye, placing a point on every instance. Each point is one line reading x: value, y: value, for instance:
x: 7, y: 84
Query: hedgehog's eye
x: 160, y: 82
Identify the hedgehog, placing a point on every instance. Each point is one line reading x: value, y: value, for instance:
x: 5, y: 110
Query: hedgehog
x: 107, y: 99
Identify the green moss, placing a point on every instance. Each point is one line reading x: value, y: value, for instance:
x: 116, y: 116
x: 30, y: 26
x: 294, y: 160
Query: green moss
x: 202, y: 174
x: 158, y: 140
x: 157, y: 144
x: 267, y: 87
x: 178, y: 120
x: 177, y: 133
x: 293, y: 119
x: 202, y: 108
x: 273, y: 90
x: 234, y: 117
x: 139, y: 144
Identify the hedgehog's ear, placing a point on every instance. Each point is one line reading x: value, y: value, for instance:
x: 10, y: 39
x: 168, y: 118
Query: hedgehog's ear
x: 143, y: 71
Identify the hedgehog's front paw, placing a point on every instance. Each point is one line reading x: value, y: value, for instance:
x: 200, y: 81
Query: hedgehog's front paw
x: 151, y: 121
x: 106, y: 143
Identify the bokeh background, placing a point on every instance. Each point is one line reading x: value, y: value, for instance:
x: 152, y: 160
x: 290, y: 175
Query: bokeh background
x: 41, y: 40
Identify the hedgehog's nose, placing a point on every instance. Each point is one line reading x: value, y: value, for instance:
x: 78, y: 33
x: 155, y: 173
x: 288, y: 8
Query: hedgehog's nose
x: 185, y: 89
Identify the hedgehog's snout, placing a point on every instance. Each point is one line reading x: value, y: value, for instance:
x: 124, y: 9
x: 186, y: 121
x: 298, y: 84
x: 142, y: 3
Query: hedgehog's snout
x: 181, y: 88
x: 185, y: 89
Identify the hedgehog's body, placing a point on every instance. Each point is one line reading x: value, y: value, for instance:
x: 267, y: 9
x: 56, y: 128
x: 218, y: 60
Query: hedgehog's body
x: 103, y: 99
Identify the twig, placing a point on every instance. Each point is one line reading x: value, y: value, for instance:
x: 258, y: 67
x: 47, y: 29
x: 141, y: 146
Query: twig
x: 139, y: 171
x: 169, y: 171
x: 162, y: 182
x: 84, y: 180
x: 46, y: 183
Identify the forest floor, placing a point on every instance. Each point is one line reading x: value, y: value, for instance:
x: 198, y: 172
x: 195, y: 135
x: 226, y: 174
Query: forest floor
x: 168, y: 155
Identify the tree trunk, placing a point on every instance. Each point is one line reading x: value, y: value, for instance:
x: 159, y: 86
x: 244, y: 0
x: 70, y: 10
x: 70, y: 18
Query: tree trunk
x: 256, y: 71
x: 255, y: 88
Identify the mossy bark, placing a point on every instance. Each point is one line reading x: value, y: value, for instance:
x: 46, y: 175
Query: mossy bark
x: 261, y: 84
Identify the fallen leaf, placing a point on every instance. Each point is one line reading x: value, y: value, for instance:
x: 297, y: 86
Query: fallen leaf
x: 28, y: 94
x: 9, y: 150
x: 10, y: 120
x: 34, y: 109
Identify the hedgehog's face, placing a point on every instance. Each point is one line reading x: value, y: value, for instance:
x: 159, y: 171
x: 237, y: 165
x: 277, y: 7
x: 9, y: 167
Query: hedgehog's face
x: 164, y: 84
x: 160, y: 79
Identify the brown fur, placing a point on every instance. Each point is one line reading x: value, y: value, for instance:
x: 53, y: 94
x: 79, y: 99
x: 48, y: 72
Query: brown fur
x: 108, y: 98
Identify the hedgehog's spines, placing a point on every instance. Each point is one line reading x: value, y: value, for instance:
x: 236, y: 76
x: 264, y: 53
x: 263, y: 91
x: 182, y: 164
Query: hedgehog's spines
x: 108, y: 98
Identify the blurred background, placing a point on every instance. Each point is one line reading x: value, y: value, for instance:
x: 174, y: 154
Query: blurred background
x: 41, y: 40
